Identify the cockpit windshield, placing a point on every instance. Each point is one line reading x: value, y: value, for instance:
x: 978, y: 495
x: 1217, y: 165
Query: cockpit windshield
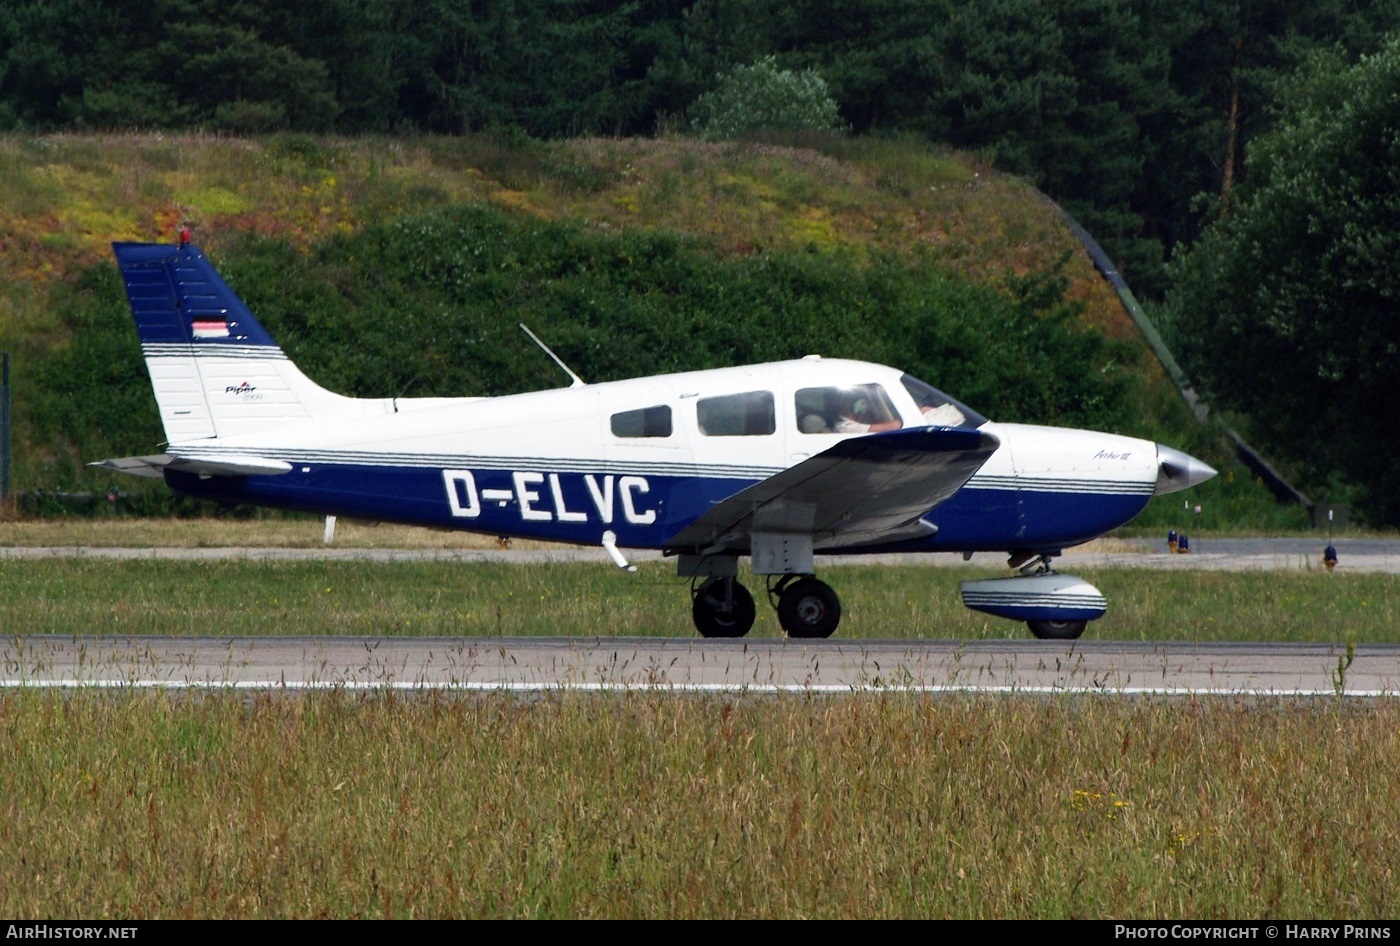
x: 939, y: 409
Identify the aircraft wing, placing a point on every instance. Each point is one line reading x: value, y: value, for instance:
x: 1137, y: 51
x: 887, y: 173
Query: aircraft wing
x: 863, y: 490
x: 155, y: 466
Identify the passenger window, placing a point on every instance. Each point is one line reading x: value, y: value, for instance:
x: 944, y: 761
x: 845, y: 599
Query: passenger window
x: 854, y: 409
x: 749, y: 414
x: 646, y: 422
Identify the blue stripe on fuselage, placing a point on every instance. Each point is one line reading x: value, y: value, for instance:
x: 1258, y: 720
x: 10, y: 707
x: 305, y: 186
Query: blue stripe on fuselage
x: 643, y: 510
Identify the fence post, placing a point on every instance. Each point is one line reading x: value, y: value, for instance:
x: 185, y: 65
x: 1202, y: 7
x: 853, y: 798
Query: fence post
x: 4, y: 427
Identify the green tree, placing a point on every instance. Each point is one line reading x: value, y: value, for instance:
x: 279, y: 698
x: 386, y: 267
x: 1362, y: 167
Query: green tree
x: 163, y: 63
x: 1286, y: 307
x: 764, y: 97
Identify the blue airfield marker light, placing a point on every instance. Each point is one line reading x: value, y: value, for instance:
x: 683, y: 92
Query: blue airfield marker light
x: 1171, y: 541
x: 1183, y: 544
x: 1329, y: 554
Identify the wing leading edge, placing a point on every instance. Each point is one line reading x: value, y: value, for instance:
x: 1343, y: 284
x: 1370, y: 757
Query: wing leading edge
x: 863, y: 490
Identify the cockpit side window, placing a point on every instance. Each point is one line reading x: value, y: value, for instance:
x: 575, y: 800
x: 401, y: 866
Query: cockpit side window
x: 939, y: 409
x: 644, y: 422
x: 853, y: 409
x: 749, y: 414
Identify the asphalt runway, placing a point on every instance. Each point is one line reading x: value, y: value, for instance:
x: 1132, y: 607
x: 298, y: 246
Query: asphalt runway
x: 543, y: 665
x: 744, y: 666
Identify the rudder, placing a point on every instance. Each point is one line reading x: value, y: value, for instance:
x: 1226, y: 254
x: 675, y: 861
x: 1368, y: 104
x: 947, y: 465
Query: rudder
x: 215, y: 370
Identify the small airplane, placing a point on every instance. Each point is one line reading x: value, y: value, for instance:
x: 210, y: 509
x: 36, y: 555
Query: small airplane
x: 781, y: 462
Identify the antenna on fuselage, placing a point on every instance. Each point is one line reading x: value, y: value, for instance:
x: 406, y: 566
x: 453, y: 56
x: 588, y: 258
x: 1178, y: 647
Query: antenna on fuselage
x: 578, y: 382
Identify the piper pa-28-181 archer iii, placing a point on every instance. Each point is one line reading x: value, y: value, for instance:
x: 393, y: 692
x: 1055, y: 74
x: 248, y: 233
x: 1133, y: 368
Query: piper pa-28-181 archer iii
x: 781, y: 462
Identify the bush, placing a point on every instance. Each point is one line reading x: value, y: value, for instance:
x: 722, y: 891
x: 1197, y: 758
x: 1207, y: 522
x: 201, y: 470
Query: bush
x: 762, y: 97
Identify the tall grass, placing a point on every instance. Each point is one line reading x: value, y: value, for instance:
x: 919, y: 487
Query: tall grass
x: 655, y: 805
x: 67, y: 196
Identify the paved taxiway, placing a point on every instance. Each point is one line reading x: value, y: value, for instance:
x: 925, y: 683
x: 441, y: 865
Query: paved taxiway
x: 754, y: 666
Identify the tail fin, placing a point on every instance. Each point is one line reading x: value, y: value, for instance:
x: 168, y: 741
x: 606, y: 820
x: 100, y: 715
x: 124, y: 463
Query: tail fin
x: 216, y: 371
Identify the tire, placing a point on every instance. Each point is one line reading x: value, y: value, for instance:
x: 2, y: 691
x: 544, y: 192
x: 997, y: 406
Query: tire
x: 721, y: 612
x: 1057, y: 630
x: 808, y: 608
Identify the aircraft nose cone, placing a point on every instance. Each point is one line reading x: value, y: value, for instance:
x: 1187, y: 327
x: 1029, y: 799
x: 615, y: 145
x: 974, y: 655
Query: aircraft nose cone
x: 1177, y: 470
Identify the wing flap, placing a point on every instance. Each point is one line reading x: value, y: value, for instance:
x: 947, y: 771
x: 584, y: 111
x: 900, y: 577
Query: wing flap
x: 155, y: 466
x: 152, y: 466
x: 862, y: 490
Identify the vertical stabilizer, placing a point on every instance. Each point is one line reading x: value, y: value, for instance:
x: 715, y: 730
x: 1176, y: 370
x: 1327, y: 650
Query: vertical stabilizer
x: 215, y: 370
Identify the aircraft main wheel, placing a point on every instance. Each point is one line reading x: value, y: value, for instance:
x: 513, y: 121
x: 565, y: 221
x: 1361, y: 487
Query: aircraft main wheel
x: 1057, y: 630
x: 720, y: 611
x: 809, y: 608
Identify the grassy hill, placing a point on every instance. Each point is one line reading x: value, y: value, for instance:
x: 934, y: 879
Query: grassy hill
x: 389, y: 265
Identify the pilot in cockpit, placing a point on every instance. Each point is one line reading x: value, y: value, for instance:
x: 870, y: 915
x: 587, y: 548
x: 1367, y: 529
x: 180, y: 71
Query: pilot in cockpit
x: 859, y: 415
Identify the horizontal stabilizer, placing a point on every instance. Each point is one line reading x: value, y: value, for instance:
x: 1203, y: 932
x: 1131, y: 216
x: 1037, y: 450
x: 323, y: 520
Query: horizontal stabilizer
x: 861, y: 491
x: 155, y: 466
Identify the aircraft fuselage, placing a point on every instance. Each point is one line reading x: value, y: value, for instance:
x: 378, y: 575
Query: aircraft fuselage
x: 480, y: 465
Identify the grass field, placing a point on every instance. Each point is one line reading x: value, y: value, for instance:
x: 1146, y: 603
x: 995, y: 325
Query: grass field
x: 655, y: 805
x: 240, y: 597
x: 336, y: 804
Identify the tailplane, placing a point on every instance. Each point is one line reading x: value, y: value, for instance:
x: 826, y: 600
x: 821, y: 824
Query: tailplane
x: 216, y: 371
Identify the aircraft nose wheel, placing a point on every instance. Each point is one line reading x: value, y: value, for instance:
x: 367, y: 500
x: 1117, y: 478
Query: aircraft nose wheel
x: 722, y: 608
x: 1057, y: 630
x: 807, y: 607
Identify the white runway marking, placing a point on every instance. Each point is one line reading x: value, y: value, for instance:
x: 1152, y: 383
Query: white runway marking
x: 771, y: 666
x: 699, y: 689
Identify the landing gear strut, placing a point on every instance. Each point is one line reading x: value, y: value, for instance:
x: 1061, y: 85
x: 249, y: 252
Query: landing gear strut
x: 1031, y: 563
x: 1052, y: 630
x: 807, y: 607
x: 721, y: 607
x: 1054, y: 606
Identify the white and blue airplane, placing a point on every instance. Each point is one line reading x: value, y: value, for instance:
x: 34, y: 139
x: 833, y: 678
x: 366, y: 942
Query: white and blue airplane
x: 781, y: 462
